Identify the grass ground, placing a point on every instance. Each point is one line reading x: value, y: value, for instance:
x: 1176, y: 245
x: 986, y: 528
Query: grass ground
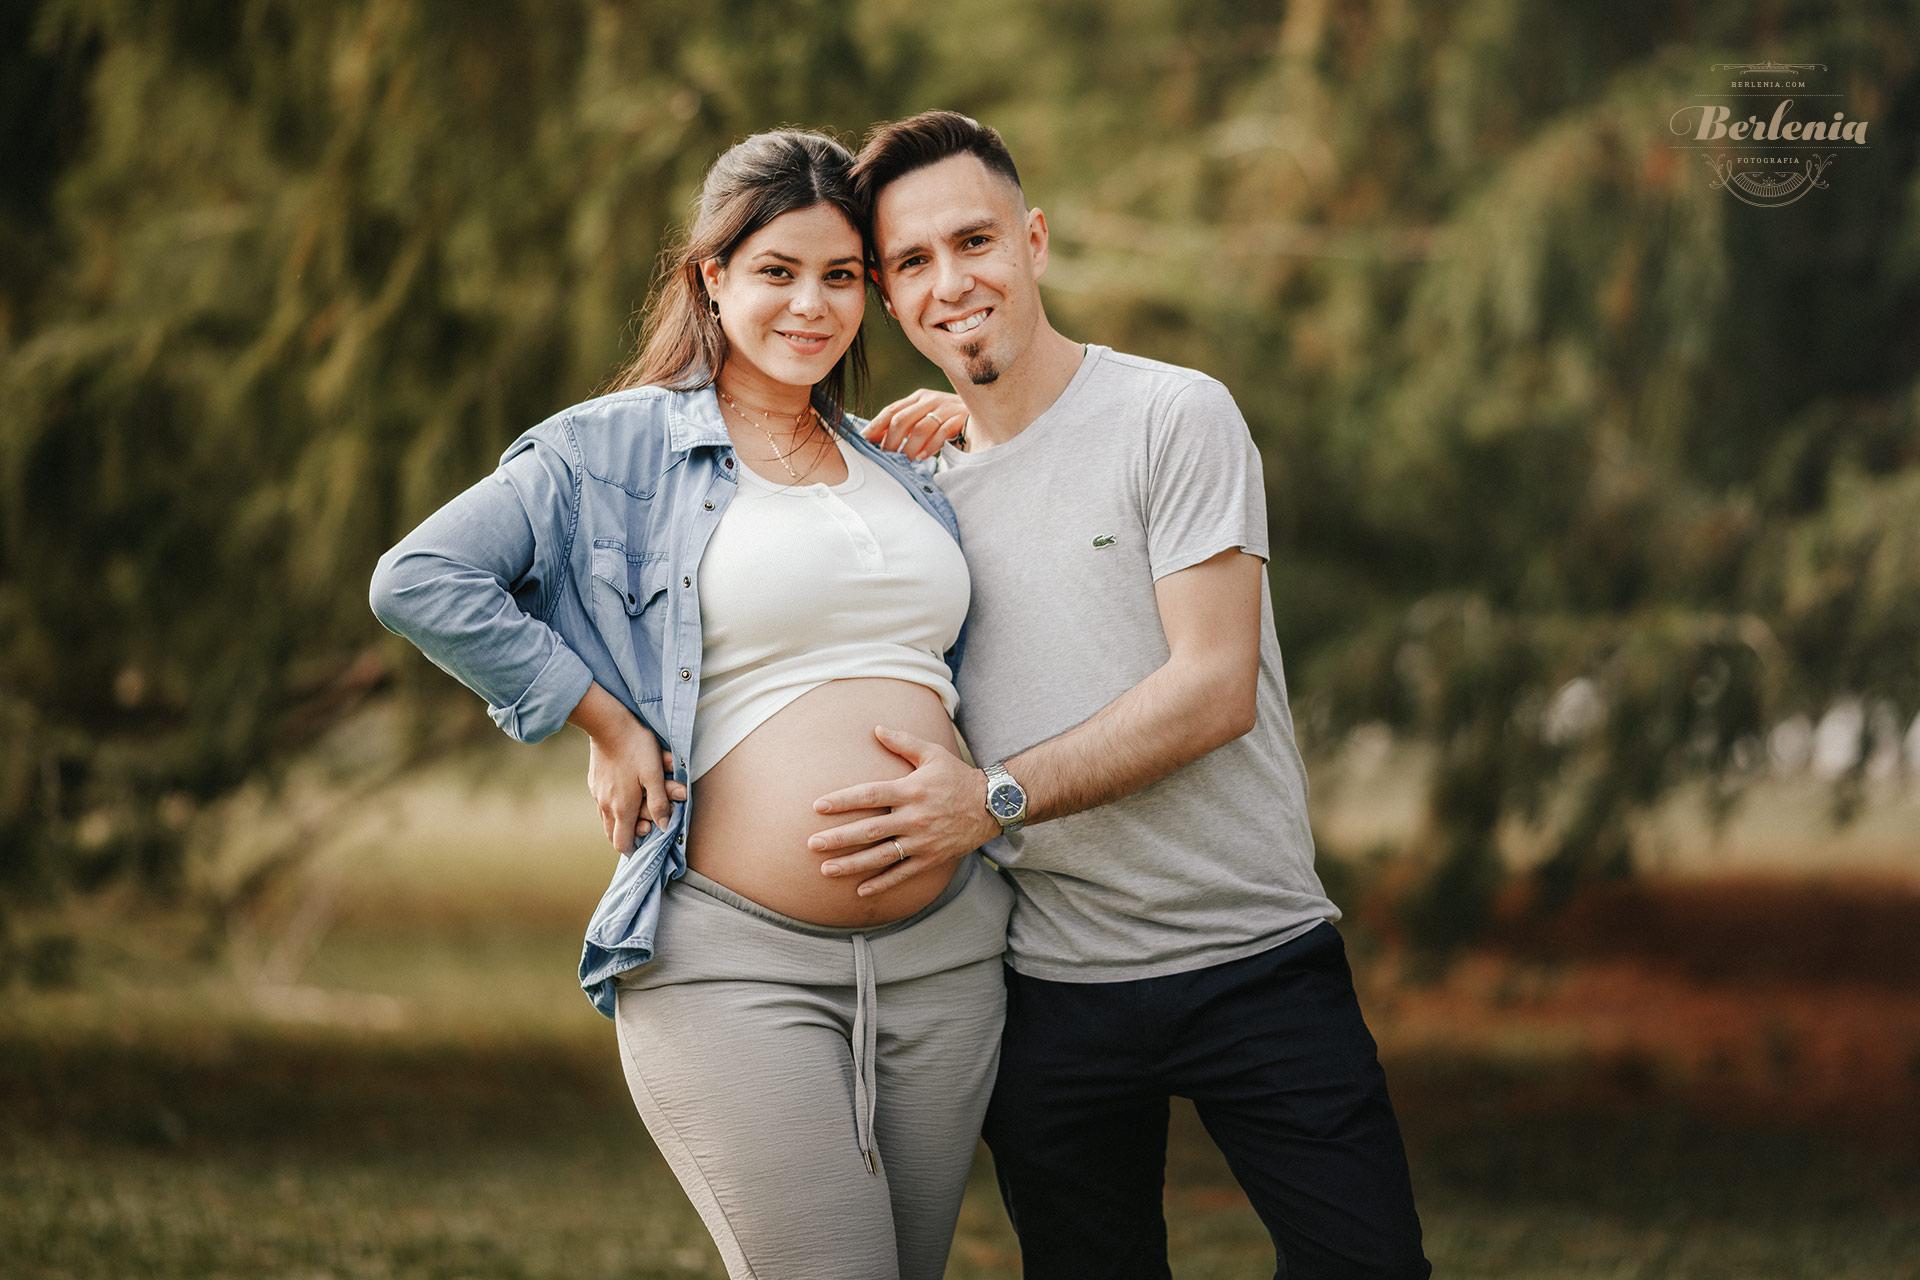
x: 406, y: 1084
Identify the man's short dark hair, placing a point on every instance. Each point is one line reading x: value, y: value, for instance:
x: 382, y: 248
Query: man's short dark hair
x: 897, y: 149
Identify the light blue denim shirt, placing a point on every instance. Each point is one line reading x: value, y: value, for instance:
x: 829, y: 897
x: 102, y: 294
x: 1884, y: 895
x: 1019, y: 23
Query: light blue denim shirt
x: 578, y: 560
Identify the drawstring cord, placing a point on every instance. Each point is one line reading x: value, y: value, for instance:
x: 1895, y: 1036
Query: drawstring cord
x: 865, y: 1038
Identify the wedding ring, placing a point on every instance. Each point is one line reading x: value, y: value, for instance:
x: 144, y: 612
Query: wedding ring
x: 902, y: 853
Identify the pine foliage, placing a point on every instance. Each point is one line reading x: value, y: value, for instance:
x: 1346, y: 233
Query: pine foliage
x: 1577, y: 468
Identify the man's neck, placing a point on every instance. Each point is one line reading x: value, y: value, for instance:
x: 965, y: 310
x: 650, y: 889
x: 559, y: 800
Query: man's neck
x: 1003, y: 408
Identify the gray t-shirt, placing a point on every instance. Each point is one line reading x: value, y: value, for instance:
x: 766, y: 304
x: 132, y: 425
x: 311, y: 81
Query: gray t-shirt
x: 1138, y: 470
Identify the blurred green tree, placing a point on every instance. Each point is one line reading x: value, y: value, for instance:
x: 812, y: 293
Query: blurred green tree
x: 1577, y: 469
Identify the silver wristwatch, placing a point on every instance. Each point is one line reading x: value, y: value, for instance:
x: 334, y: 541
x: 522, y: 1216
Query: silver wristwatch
x: 1006, y: 799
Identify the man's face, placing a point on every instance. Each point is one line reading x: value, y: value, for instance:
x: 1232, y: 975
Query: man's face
x: 960, y: 263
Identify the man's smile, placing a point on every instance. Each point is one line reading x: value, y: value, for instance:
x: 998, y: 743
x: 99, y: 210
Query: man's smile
x: 967, y: 323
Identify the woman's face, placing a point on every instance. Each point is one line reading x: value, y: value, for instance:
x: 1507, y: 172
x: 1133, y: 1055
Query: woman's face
x: 791, y: 297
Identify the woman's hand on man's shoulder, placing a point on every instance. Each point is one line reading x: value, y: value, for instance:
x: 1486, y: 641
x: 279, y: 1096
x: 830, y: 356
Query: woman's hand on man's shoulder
x: 917, y: 425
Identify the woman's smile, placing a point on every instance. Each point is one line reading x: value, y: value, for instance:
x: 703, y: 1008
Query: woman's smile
x: 806, y: 343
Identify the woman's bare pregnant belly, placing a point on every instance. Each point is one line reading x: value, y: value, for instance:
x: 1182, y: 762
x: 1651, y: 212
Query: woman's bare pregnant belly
x: 753, y: 810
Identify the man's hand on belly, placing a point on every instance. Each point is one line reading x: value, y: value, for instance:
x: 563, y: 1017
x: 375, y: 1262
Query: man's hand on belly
x: 935, y: 814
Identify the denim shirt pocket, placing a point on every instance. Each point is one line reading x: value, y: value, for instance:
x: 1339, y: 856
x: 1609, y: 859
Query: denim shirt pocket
x: 630, y: 605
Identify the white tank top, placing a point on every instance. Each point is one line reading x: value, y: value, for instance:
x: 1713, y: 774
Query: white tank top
x: 803, y: 584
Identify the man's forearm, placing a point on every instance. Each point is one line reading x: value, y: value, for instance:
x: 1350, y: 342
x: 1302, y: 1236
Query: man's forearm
x: 1171, y: 718
x: 1201, y: 697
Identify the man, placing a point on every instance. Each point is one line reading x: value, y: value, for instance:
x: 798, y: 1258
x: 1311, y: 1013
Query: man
x: 1140, y: 783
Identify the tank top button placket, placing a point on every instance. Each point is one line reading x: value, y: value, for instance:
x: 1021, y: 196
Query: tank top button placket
x: 865, y: 545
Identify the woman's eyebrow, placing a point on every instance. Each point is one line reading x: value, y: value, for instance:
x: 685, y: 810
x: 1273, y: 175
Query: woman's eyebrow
x: 777, y: 256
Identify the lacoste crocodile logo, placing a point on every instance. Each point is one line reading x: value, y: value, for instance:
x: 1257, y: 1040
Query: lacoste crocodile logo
x: 1104, y: 540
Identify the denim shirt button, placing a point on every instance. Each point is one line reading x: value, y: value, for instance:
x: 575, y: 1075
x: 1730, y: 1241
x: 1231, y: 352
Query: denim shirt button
x: 685, y: 674
x: 686, y: 581
x: 708, y: 504
x: 926, y: 488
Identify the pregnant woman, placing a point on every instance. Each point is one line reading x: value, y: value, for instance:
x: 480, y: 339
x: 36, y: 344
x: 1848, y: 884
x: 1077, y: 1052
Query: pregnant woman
x: 713, y: 574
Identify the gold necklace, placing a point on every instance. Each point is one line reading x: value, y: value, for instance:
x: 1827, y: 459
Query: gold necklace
x: 802, y: 421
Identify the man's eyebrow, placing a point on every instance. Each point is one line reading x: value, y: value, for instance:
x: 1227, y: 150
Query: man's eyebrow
x: 907, y: 252
x: 958, y: 233
x: 974, y: 228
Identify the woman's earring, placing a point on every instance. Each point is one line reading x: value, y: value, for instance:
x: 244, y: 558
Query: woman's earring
x: 713, y: 305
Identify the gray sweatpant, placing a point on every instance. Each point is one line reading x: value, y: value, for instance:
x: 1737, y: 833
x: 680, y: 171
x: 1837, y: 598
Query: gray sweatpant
x: 818, y: 1091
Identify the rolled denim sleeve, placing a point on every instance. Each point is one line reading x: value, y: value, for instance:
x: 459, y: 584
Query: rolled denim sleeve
x: 473, y: 587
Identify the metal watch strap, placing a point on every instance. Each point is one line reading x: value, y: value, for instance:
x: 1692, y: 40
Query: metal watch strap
x: 998, y: 776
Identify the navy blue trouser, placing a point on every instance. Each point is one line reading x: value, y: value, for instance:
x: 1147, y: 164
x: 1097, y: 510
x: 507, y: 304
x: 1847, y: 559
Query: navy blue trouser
x: 1284, y: 1074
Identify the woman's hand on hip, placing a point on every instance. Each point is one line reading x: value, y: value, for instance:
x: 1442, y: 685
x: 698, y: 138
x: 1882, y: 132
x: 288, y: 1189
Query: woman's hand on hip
x: 628, y: 772
x: 919, y: 424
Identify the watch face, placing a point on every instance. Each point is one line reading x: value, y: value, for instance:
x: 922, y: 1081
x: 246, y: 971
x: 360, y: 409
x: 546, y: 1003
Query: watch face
x: 1006, y: 800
